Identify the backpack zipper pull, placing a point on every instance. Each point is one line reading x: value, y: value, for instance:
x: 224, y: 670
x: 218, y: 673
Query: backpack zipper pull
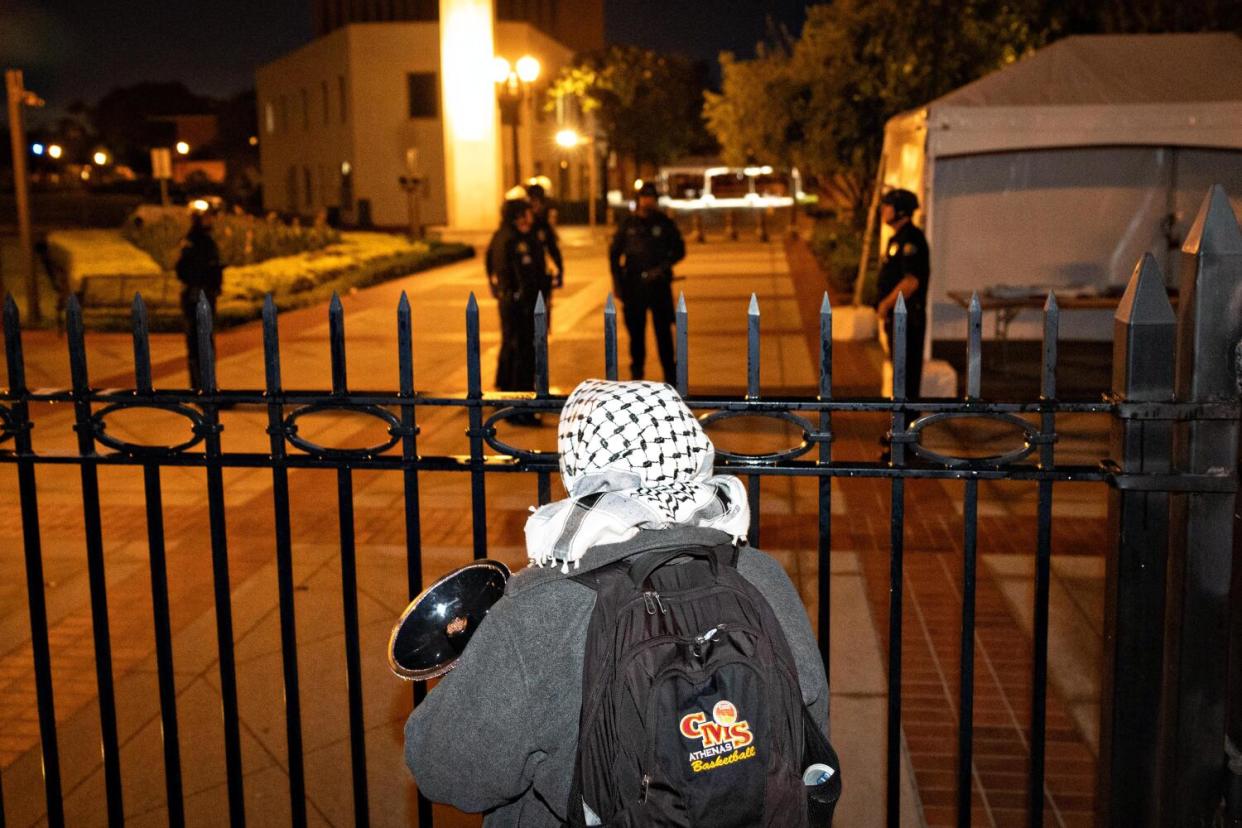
x: 642, y: 791
x: 659, y: 603
x: 649, y: 603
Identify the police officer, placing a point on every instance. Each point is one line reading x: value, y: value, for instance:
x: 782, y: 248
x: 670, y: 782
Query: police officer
x: 904, y: 271
x: 517, y: 272
x: 645, y: 248
x: 544, y: 230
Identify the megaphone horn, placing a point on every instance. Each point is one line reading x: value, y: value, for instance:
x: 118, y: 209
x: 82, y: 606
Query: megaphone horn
x: 433, y: 631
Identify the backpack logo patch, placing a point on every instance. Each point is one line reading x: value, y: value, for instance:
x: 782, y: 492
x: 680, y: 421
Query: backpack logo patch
x: 725, y: 739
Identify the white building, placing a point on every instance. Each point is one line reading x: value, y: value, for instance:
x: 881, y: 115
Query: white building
x: 344, y: 117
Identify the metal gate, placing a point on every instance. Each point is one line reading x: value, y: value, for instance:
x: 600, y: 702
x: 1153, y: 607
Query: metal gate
x: 1172, y: 471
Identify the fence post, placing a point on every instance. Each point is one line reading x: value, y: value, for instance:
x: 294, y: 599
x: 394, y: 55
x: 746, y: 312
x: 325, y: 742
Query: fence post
x: 1144, y: 329
x: 1201, y: 522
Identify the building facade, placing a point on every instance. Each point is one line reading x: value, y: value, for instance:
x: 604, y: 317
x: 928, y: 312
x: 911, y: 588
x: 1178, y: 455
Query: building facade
x: 343, y: 118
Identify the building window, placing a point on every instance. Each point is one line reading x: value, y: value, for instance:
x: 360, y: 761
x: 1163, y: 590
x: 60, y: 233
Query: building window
x: 308, y: 191
x: 284, y: 114
x: 424, y: 97
x: 340, y: 89
x: 291, y: 189
x: 305, y: 110
x: 269, y: 117
x: 323, y: 88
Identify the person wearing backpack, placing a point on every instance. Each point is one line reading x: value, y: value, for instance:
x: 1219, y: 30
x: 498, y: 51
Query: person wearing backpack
x: 648, y: 668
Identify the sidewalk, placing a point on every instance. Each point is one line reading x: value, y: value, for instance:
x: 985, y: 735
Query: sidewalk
x: 719, y: 280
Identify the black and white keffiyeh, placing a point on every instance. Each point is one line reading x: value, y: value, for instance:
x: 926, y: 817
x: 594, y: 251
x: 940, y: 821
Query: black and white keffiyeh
x: 632, y: 457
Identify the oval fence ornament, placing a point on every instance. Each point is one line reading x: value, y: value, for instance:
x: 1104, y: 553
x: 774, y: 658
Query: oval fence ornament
x: 6, y: 425
x: 524, y: 455
x: 198, y: 428
x: 1031, y: 439
x: 810, y: 437
x: 393, y: 427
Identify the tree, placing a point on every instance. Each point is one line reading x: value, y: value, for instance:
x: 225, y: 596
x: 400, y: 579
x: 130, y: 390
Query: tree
x: 820, y: 102
x: 646, y: 104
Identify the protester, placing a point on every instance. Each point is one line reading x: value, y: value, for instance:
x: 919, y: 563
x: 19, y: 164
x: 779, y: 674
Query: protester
x: 500, y: 733
x: 201, y: 274
x: 645, y: 248
x: 517, y: 273
x: 545, y: 228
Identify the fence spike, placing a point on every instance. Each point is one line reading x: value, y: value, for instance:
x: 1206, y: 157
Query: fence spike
x: 752, y: 348
x: 610, y: 338
x: 206, y: 344
x: 541, y: 346
x: 683, y: 345
x: 474, y: 380
x: 825, y: 348
x: 405, y: 347
x: 271, y: 345
x: 1052, y: 328
x: 1215, y: 228
x: 1145, y: 301
x: 898, y: 346
x: 13, y: 346
x: 76, y: 333
x: 974, y: 347
x: 336, y: 343
x: 142, y: 344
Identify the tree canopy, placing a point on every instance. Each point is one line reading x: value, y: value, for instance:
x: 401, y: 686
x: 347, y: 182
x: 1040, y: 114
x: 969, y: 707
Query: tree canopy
x: 645, y: 103
x: 820, y: 101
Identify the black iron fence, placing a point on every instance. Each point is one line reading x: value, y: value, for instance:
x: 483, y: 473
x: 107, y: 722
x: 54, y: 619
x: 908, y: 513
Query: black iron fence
x: 1172, y: 471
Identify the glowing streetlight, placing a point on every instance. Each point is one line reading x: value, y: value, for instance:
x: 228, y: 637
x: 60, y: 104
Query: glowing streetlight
x: 568, y: 138
x: 501, y: 69
x: 37, y: 148
x: 527, y: 69
x: 183, y: 148
x: 100, y: 157
x: 55, y: 150
x: 254, y: 140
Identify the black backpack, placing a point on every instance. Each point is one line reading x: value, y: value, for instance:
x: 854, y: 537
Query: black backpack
x: 692, y: 713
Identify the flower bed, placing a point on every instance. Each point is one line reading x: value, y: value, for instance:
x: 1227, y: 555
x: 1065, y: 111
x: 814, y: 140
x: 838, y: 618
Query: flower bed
x: 242, y: 239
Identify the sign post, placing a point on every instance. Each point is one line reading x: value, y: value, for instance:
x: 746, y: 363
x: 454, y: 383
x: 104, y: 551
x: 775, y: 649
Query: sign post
x: 161, y: 168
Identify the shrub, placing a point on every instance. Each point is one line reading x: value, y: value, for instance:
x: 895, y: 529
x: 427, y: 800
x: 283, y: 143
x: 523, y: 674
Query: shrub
x: 242, y: 239
x: 837, y: 247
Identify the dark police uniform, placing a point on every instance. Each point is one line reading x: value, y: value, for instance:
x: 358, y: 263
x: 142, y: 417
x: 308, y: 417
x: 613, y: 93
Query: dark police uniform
x: 642, y: 255
x: 518, y: 272
x: 907, y: 254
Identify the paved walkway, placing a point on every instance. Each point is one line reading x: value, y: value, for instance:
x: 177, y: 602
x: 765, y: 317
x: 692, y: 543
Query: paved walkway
x: 719, y: 280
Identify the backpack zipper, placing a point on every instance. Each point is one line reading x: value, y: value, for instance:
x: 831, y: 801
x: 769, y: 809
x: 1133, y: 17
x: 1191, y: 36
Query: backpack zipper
x: 642, y: 790
x: 651, y: 599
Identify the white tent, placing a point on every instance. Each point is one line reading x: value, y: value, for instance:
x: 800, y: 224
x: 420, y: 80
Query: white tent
x: 1063, y: 168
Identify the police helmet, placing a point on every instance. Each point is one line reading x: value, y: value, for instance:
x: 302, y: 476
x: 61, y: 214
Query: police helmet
x: 903, y: 202
x: 513, y: 209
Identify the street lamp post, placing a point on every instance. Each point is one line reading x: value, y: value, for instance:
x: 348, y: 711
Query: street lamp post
x: 513, y: 89
x: 569, y: 139
x: 20, y: 97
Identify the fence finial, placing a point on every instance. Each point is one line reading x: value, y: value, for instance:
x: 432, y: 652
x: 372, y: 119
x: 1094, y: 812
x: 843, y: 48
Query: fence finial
x: 1215, y: 229
x: 1145, y: 302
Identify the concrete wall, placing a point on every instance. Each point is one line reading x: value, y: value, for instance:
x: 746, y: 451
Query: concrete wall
x: 374, y: 60
x: 293, y: 148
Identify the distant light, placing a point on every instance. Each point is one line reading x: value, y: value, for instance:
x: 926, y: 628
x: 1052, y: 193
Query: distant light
x: 36, y: 148
x: 638, y: 183
x: 500, y: 69
x: 100, y: 157
x: 345, y: 168
x: 183, y: 148
x: 527, y: 69
x: 86, y: 172
x: 568, y: 138
x: 254, y: 140
x: 764, y: 170
x: 200, y: 205
x: 55, y: 150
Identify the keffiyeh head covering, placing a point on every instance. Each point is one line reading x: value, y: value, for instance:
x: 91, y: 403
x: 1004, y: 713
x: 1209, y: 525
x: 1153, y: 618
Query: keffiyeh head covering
x: 632, y: 457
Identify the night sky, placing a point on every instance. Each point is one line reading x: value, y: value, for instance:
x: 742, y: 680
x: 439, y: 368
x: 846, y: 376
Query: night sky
x: 74, y: 50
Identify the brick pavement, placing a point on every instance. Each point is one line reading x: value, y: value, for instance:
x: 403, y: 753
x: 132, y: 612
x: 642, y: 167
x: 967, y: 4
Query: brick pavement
x: 930, y: 635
